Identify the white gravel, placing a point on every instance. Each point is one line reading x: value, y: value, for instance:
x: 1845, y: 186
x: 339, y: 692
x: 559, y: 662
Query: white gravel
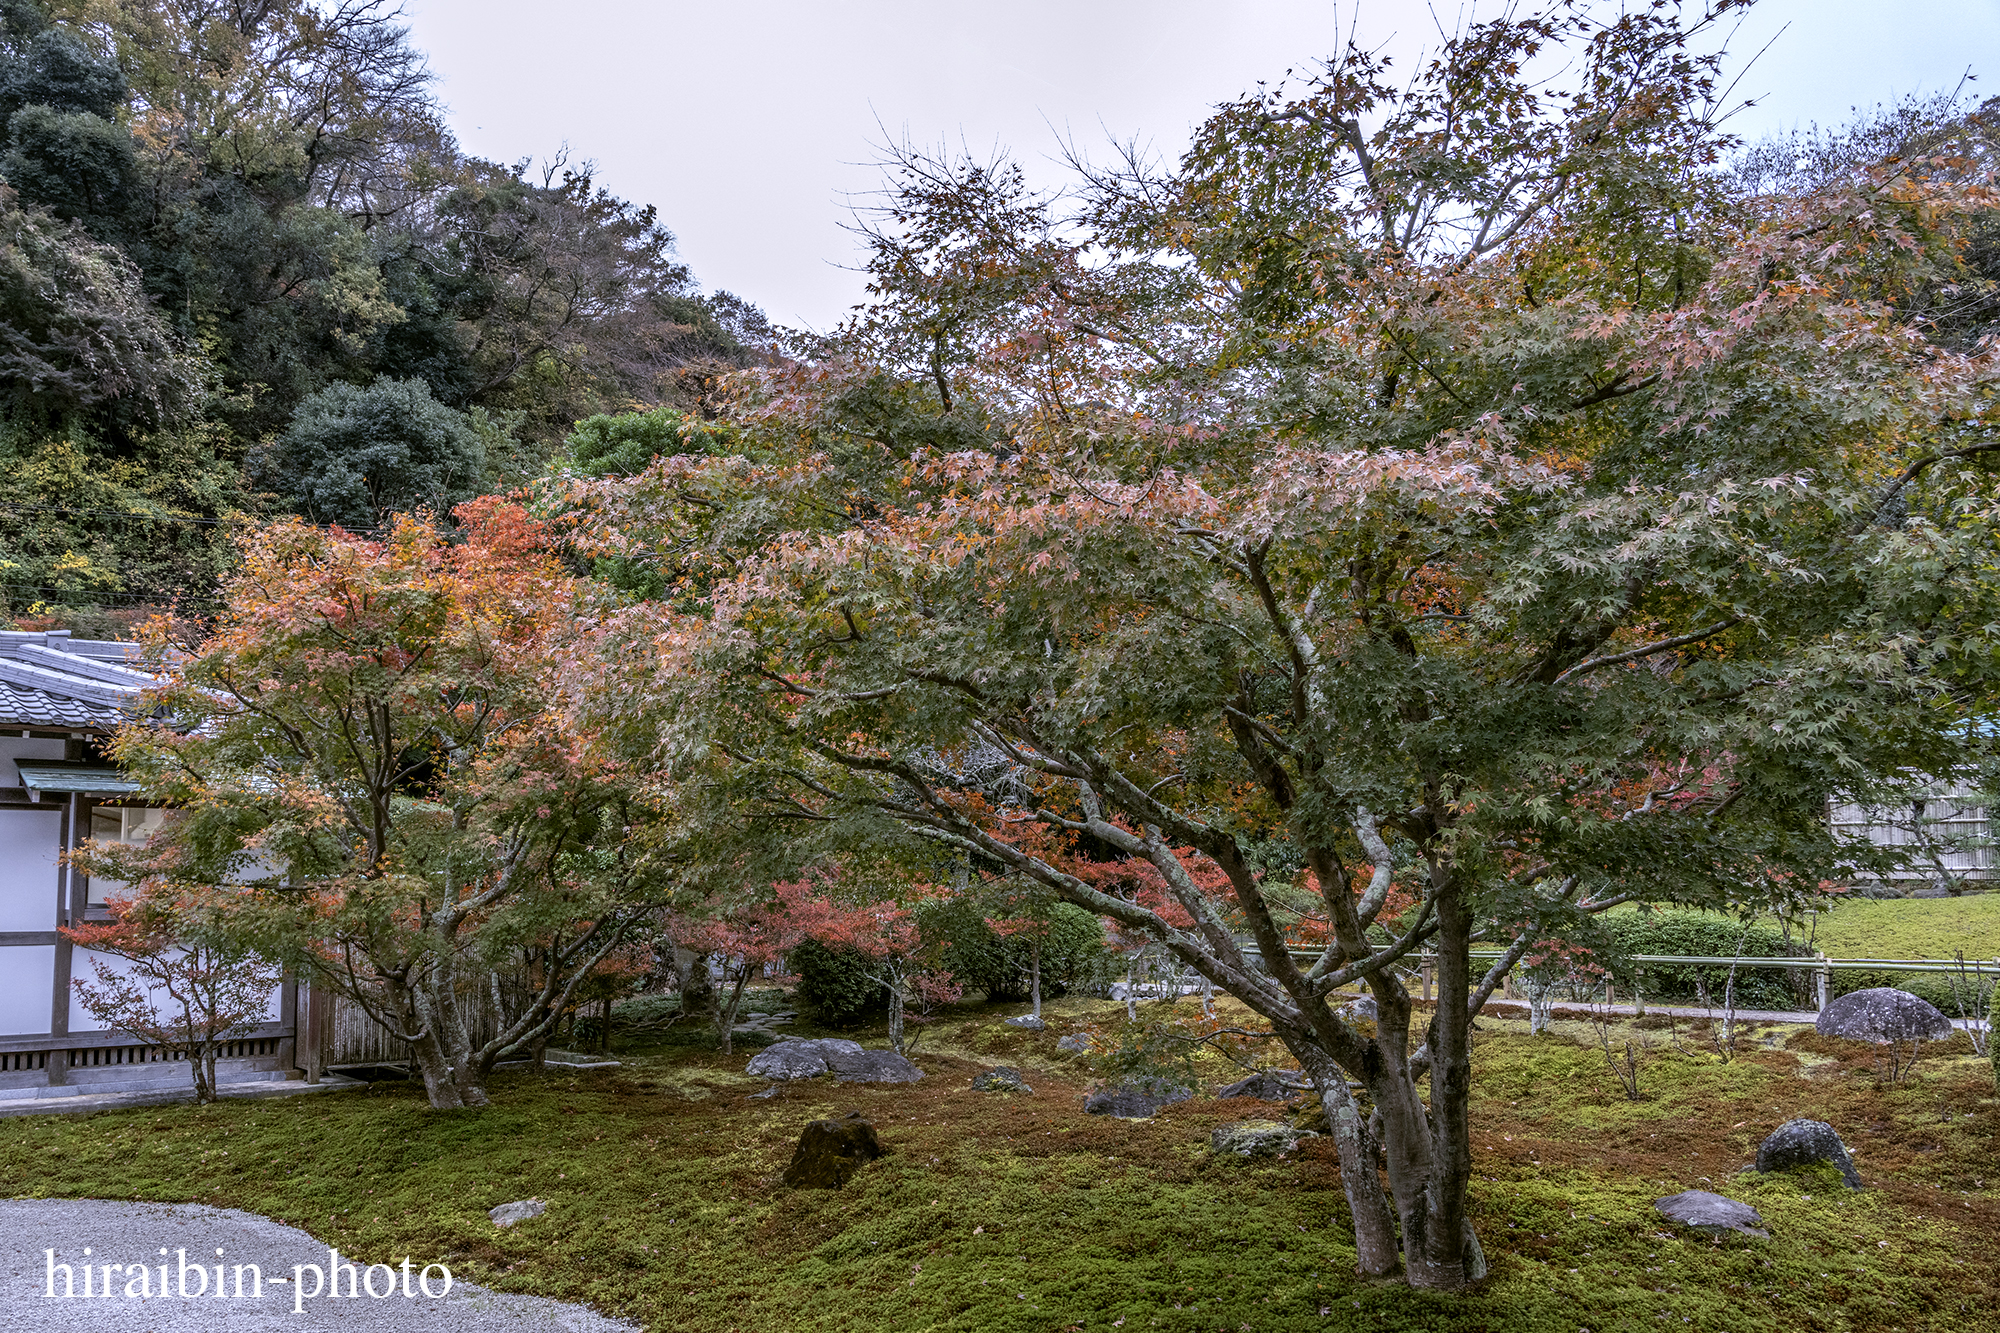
x: 133, y: 1234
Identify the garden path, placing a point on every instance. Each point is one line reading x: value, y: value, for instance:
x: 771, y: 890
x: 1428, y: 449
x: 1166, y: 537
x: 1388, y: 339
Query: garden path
x: 136, y: 1234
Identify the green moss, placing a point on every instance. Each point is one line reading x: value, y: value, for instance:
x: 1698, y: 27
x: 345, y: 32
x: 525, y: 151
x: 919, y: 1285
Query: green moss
x: 1898, y: 927
x: 1912, y: 927
x: 1023, y: 1214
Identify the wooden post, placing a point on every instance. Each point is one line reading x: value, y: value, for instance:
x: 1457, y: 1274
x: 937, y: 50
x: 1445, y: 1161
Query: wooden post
x: 1425, y: 968
x: 72, y: 890
x: 1825, y: 976
x: 311, y: 1031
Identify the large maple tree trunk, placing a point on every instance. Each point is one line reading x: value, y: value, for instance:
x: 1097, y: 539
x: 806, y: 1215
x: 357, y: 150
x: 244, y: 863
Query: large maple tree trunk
x: 1377, y: 1253
x: 1404, y: 1168
x: 443, y: 1056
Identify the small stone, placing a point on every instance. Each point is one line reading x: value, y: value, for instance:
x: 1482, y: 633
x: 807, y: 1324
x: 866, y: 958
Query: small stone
x: 1255, y: 1138
x: 1269, y: 1085
x: 1075, y: 1042
x: 1806, y: 1143
x: 1004, y: 1078
x: 830, y: 1151
x: 1028, y: 1021
x: 1711, y: 1214
x: 1128, y: 1102
x: 507, y: 1214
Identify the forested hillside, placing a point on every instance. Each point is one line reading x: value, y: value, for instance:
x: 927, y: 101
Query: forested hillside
x: 245, y: 271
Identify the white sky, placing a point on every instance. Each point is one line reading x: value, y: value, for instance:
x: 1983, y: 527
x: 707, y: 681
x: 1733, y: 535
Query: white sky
x: 752, y: 125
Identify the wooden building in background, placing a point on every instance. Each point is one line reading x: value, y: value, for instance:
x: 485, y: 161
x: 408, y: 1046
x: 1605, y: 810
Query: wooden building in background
x: 60, y: 698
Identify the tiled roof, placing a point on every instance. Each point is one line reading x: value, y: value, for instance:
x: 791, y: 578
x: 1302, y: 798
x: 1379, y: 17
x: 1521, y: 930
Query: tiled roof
x: 52, y: 682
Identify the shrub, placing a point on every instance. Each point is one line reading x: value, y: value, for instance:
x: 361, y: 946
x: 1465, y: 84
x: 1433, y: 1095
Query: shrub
x: 835, y: 987
x: 1699, y: 934
x: 1993, y: 1035
x: 1950, y: 996
x: 1073, y: 956
x: 352, y: 455
x: 1846, y: 983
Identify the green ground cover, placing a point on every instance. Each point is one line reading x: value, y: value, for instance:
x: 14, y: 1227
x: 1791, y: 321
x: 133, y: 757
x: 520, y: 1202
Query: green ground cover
x: 1912, y: 927
x: 1898, y: 927
x: 1019, y: 1214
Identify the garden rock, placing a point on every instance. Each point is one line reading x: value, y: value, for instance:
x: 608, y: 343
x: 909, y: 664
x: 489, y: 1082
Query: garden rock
x: 1133, y: 1103
x: 1028, y: 1021
x: 872, y: 1067
x: 1882, y: 1014
x: 1074, y: 1042
x: 1004, y: 1078
x: 1361, y: 1008
x: 1255, y: 1138
x: 800, y: 1059
x: 830, y: 1151
x: 1806, y: 1143
x: 1268, y: 1085
x: 1711, y: 1214
x: 507, y: 1214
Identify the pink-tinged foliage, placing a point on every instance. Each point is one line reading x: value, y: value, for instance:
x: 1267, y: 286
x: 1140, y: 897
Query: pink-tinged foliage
x: 179, y: 991
x: 1432, y: 511
x: 375, y: 737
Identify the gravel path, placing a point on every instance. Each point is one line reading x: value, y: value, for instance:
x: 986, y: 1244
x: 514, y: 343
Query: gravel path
x: 135, y: 1233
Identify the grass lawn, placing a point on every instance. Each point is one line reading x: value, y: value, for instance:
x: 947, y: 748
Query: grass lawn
x: 1020, y: 1214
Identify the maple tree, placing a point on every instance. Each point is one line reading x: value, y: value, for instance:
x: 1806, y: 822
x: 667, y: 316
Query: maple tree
x: 895, y: 955
x: 1456, y: 497
x: 747, y: 933
x: 377, y: 786
x: 180, y: 989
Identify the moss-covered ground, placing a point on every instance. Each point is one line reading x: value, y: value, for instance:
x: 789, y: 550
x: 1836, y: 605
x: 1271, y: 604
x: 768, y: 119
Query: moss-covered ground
x: 1912, y: 927
x: 1020, y: 1214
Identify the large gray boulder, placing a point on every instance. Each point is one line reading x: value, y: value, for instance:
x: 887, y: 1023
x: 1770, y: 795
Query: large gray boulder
x: 845, y: 1060
x: 873, y: 1067
x: 800, y: 1059
x: 1255, y: 1138
x: 1806, y: 1143
x: 1882, y: 1014
x: 1711, y: 1214
x: 1129, y: 1102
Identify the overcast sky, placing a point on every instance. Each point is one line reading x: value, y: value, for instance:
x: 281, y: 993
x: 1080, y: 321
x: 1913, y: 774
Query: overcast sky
x: 752, y: 125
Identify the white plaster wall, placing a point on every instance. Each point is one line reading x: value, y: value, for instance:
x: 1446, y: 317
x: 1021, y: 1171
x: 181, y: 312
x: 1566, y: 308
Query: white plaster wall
x: 27, y: 985
x: 28, y: 848
x: 84, y: 964
x: 20, y: 747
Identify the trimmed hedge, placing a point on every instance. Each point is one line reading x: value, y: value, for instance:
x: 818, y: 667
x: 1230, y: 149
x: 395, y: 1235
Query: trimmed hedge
x: 834, y: 986
x: 1073, y: 956
x: 1702, y: 935
x: 1951, y: 997
x: 1993, y: 1035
